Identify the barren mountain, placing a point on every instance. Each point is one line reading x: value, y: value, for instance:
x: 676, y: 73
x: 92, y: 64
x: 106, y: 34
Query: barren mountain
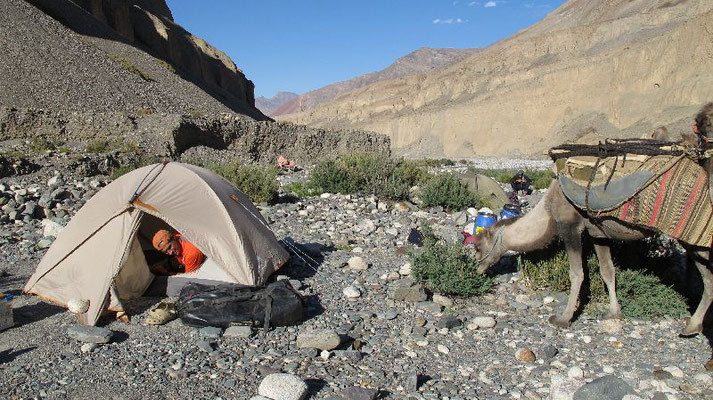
x: 421, y: 61
x: 267, y: 106
x: 618, y: 67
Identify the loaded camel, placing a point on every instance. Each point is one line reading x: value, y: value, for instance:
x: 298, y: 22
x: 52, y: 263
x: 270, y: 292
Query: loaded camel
x: 554, y: 216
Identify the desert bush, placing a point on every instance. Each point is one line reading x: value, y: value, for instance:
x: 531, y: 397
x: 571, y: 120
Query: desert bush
x: 97, y: 146
x: 167, y: 66
x: 258, y: 183
x: 41, y: 145
x: 447, y: 190
x: 129, y: 66
x: 641, y: 294
x: 300, y: 189
x: 448, y: 268
x: 366, y: 173
x: 433, y: 162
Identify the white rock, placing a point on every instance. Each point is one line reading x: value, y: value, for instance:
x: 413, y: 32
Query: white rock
x: 78, y: 306
x: 587, y: 339
x: 575, y: 372
x: 51, y: 228
x: 282, y: 387
x: 548, y: 300
x: 324, y: 354
x: 357, y: 250
x: 325, y: 195
x: 53, y: 180
x: 88, y: 347
x: 351, y: 292
x: 675, y: 371
x: 484, y: 322
x: 608, y: 370
x: 563, y: 388
x: 405, y: 269
x: 357, y: 263
x: 443, y: 349
x: 442, y: 300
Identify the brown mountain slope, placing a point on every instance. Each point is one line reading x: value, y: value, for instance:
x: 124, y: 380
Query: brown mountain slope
x: 617, y: 66
x: 268, y: 105
x: 421, y: 61
x: 58, y: 55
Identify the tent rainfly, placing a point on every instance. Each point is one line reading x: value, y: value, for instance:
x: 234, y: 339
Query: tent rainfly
x: 99, y: 254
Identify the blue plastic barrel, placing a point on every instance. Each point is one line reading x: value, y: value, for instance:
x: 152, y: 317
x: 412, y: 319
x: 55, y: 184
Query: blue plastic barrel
x: 509, y: 211
x: 483, y: 220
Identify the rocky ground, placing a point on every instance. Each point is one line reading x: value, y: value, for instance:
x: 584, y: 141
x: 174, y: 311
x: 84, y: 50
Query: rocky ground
x: 371, y: 332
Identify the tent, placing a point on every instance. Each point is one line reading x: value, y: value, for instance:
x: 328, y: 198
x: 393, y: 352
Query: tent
x: 99, y: 254
x: 487, y: 188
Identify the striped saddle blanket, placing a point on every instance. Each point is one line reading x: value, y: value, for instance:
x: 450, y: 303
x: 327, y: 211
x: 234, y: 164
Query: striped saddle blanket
x: 668, y: 194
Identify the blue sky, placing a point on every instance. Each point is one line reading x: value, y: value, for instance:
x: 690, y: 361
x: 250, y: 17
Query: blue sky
x: 299, y: 46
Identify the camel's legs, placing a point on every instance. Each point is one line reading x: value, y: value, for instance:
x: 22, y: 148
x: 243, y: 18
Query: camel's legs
x: 606, y: 269
x: 695, y: 324
x: 573, y: 244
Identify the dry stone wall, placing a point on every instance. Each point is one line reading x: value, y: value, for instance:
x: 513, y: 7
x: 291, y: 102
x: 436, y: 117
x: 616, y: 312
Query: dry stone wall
x: 173, y: 134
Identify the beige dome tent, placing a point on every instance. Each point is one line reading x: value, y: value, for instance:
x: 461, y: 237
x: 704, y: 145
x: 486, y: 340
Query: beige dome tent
x: 98, y: 256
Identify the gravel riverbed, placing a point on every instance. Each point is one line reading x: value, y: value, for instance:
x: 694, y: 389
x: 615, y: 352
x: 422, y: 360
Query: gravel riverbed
x: 394, y: 339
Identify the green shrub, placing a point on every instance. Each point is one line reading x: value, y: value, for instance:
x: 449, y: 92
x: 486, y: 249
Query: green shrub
x: 448, y: 191
x: 97, y: 146
x: 41, y: 145
x: 434, y: 162
x: 129, y: 147
x: 144, y: 111
x: 366, y: 173
x: 640, y: 294
x: 449, y: 269
x: 167, y: 66
x: 301, y: 190
x: 12, y: 153
x: 643, y: 295
x: 129, y: 66
x: 258, y: 183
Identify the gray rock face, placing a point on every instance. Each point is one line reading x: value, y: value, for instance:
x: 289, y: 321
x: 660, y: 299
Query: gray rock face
x: 608, y: 387
x: 238, y: 331
x: 90, y: 334
x: 283, y: 387
x: 323, y: 339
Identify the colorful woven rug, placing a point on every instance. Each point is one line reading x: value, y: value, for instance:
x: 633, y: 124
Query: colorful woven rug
x: 676, y: 203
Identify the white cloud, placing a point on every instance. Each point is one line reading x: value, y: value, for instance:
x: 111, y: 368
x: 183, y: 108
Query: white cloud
x: 490, y: 4
x: 449, y: 21
x: 474, y: 3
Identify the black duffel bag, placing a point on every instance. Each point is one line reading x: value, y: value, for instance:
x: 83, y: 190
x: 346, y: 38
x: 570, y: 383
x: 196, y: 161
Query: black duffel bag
x: 277, y: 304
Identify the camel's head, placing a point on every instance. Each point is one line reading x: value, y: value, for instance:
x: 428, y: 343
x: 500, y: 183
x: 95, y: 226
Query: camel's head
x: 488, y: 248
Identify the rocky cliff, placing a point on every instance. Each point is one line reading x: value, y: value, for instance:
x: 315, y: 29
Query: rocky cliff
x: 421, y: 61
x: 618, y: 67
x: 74, y: 72
x: 149, y: 25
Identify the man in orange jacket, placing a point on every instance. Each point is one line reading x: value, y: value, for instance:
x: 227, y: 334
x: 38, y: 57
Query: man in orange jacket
x: 186, y: 256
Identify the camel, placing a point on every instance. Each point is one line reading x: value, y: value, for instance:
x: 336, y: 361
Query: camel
x: 554, y: 216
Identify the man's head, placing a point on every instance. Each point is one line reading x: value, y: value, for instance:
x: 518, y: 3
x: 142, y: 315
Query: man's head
x: 704, y: 121
x: 166, y: 243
